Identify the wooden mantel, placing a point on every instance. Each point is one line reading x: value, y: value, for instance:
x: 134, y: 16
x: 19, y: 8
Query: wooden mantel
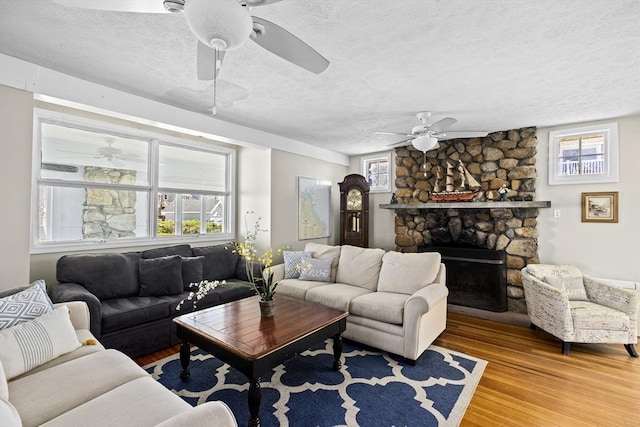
x: 469, y: 205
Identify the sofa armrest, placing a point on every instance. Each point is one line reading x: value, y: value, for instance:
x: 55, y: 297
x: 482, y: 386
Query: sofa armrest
x: 422, y: 300
x: 66, y: 292
x: 278, y: 272
x: 78, y: 313
x: 204, y: 415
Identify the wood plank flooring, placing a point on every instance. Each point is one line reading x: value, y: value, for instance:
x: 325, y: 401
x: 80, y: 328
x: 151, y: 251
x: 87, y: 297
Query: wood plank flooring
x: 528, y: 382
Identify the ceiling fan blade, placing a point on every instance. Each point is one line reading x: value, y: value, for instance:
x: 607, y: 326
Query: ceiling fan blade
x: 443, y: 124
x: 404, y: 141
x: 451, y: 134
x: 391, y: 133
x: 287, y: 46
x: 256, y: 3
x: 207, y: 61
x: 139, y: 6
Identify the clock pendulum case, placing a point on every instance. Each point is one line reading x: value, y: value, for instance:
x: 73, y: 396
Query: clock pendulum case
x: 354, y: 211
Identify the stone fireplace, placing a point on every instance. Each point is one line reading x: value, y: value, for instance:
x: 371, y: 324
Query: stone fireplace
x: 501, y: 158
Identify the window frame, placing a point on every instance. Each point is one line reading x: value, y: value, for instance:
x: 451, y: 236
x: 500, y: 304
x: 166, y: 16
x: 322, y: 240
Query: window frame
x: 367, y: 160
x: 611, y: 162
x: 155, y: 139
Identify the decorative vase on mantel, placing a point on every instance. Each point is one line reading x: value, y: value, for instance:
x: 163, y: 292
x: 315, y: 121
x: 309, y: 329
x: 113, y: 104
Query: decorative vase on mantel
x: 266, y: 308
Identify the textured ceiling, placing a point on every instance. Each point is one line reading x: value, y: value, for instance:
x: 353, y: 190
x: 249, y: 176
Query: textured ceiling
x: 492, y: 64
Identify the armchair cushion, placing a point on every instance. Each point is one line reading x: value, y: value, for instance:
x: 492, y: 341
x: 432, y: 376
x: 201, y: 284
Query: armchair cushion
x: 590, y: 316
x: 564, y: 277
x: 25, y: 305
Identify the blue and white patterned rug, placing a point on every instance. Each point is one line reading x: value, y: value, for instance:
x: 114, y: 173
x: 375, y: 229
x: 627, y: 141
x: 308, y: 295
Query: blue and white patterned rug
x: 373, y: 388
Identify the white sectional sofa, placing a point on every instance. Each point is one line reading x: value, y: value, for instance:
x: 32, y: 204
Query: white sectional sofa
x: 397, y: 302
x: 91, y: 386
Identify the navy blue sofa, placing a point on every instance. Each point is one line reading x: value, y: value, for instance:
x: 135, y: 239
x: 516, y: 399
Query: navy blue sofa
x: 132, y: 296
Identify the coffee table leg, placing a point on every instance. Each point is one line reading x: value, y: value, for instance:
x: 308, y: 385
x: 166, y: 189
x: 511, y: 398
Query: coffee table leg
x: 255, y: 395
x: 185, y: 356
x: 337, y: 352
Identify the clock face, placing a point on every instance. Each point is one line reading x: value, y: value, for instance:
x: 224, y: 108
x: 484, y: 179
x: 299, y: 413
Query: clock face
x: 354, y: 200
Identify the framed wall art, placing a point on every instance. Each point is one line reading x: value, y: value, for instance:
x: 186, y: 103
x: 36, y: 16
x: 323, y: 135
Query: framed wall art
x: 600, y: 207
x: 314, y: 208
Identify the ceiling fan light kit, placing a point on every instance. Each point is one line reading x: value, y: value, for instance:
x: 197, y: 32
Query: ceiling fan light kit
x: 223, y: 24
x: 425, y: 143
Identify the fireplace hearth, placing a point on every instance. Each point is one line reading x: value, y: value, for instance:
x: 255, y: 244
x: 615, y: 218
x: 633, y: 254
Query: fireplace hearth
x: 475, y: 277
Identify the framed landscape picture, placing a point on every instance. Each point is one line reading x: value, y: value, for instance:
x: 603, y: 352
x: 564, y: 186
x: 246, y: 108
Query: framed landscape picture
x: 314, y: 208
x: 600, y: 207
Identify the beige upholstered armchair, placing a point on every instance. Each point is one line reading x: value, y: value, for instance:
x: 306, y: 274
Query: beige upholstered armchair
x: 578, y: 308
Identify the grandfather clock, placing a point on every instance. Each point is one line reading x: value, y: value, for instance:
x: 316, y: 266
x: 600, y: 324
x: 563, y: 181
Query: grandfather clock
x: 354, y: 211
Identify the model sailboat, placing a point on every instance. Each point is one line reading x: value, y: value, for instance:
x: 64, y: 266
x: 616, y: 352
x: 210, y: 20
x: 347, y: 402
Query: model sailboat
x: 466, y: 190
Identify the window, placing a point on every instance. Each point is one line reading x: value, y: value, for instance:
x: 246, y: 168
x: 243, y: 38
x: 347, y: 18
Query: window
x: 584, y: 155
x: 104, y: 185
x: 377, y: 170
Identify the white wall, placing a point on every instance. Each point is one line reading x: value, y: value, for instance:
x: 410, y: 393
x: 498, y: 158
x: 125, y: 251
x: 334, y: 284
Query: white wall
x: 285, y: 170
x: 599, y: 249
x: 16, y: 112
x: 381, y: 221
x: 254, y: 193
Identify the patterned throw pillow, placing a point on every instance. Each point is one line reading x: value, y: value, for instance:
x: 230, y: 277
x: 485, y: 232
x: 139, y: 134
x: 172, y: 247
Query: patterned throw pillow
x: 292, y: 259
x: 30, y: 344
x: 26, y: 305
x: 317, y: 270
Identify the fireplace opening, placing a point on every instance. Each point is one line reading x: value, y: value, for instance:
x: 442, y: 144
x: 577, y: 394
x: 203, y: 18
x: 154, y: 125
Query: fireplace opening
x: 476, y: 277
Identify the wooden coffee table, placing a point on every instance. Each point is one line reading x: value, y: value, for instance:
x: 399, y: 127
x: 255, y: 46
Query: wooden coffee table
x: 236, y: 334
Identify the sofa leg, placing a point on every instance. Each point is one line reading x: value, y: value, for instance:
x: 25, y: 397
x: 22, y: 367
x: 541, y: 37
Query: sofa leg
x: 631, y: 349
x: 565, y: 347
x: 532, y: 326
x: 411, y: 361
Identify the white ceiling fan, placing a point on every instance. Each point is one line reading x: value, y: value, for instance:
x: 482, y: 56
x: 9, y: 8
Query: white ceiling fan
x: 425, y: 137
x: 220, y: 26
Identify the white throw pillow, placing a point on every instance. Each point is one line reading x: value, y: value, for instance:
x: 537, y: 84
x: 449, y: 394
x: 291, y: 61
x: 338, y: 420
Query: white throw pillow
x: 25, y: 305
x: 406, y: 273
x: 359, y: 266
x: 30, y: 344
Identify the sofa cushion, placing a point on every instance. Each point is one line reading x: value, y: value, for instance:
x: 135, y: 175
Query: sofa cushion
x: 121, y: 313
x: 30, y: 344
x: 182, y: 250
x: 335, y: 295
x: 25, y: 305
x: 161, y: 276
x: 106, y: 276
x: 387, y: 307
x: 152, y: 404
x: 292, y: 262
x: 47, y: 394
x: 318, y: 270
x: 406, y: 273
x: 320, y: 251
x: 219, y: 261
x: 360, y: 266
x: 192, y: 271
x: 297, y: 288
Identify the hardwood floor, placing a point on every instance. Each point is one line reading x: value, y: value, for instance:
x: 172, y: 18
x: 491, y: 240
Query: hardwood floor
x: 528, y: 382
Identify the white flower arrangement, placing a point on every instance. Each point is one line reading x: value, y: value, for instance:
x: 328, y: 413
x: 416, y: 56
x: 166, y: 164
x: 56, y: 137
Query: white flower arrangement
x: 203, y: 288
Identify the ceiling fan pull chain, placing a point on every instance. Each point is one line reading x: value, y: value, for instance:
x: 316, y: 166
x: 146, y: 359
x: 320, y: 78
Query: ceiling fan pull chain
x: 216, y: 70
